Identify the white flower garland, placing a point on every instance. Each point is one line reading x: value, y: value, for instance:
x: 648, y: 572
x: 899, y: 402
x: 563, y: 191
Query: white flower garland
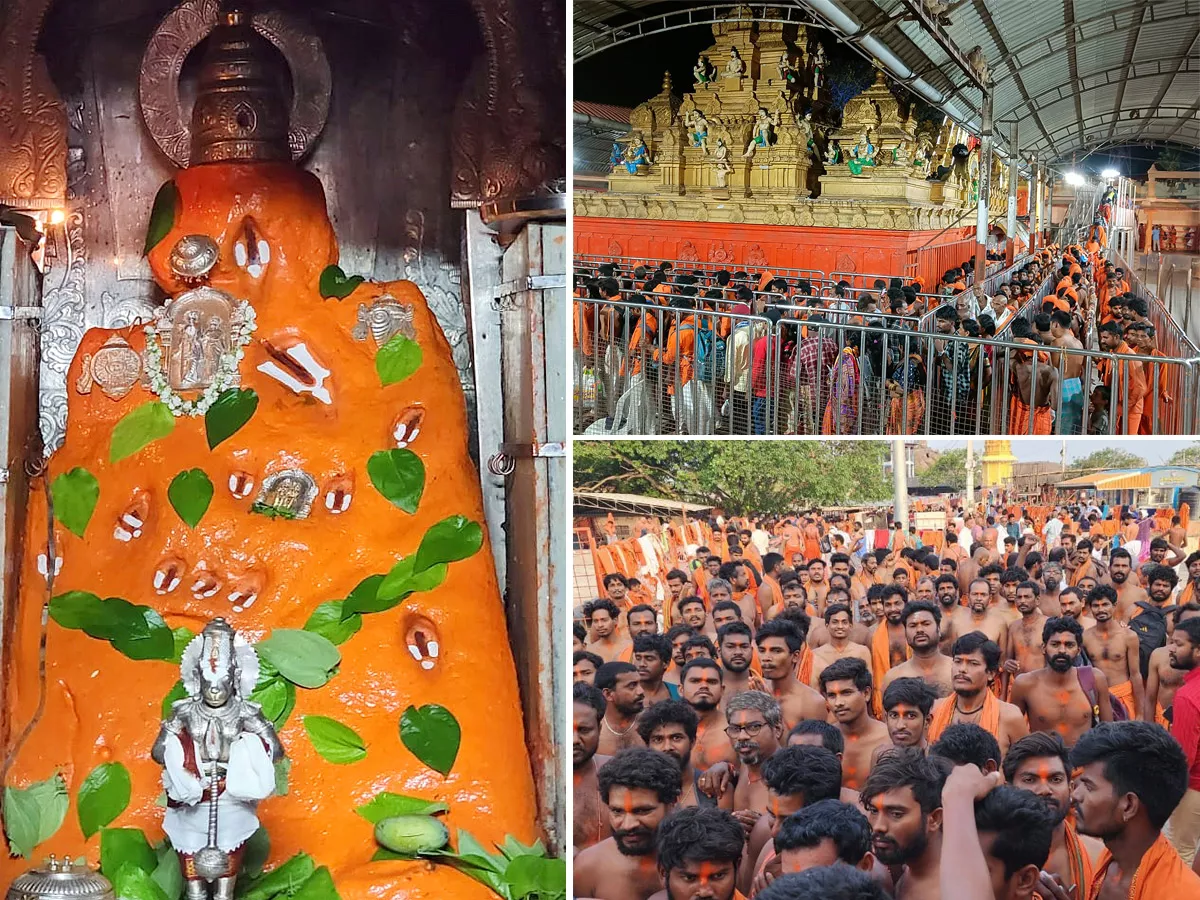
x: 241, y: 328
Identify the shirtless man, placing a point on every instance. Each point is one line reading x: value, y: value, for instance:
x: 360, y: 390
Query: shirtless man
x: 1070, y: 368
x: 838, y: 624
x: 616, y: 586
x: 889, y: 632
x: 625, y: 699
x: 1024, y: 637
x: 1114, y: 650
x: 946, y: 592
x: 1071, y: 601
x: 584, y: 664
x: 601, y: 617
x: 1052, y: 582
x: 780, y: 645
x: 756, y: 729
x: 735, y: 646
x: 922, y: 623
x: 699, y: 851
x: 739, y: 581
x: 639, y: 788
x: 976, y: 663
x: 770, y: 593
x: 970, y: 569
x: 670, y: 727
x: 678, y: 635
x: 847, y: 687
x: 907, y: 707
x: 590, y: 823
x: 1009, y: 579
x: 1164, y: 679
x: 701, y: 688
x: 979, y: 615
x: 818, y: 587
x: 1052, y: 697
x: 1129, y: 592
x: 677, y: 584
x: 1162, y: 553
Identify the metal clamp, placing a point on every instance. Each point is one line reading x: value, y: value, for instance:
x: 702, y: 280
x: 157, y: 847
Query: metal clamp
x: 502, y: 294
x: 504, y: 463
x: 20, y: 312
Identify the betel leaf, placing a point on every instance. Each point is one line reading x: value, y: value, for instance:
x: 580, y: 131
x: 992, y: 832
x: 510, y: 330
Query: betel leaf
x: 167, y: 874
x: 76, y: 609
x: 399, y: 475
x: 283, y: 771
x: 335, y: 742
x: 177, y: 692
x: 230, y: 411
x: 182, y: 637
x: 258, y: 850
x: 402, y: 581
x: 432, y: 734
x: 277, y: 697
x: 387, y: 805
x: 284, y: 879
x: 327, y: 620
x: 448, y: 541
x: 103, y: 796
x: 190, y: 493
x: 33, y: 814
x: 336, y: 283
x: 397, y: 359
x: 536, y: 877
x: 137, y: 631
x: 134, y: 883
x: 124, y: 846
x: 319, y: 886
x: 75, y: 494
x: 302, y: 657
x: 140, y: 426
x: 364, y: 598
x: 162, y: 215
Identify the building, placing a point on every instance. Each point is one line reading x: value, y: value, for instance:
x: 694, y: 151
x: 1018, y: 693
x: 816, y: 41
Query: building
x: 1153, y: 486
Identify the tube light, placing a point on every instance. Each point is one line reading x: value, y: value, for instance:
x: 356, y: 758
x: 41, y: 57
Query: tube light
x: 1073, y: 178
x: 1110, y: 173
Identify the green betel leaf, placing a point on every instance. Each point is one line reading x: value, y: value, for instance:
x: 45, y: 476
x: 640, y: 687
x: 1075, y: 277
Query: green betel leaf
x: 283, y: 771
x: 400, y: 476
x: 336, y: 283
x: 75, y: 494
x: 277, y: 697
x: 388, y: 805
x: 33, y: 814
x: 302, y: 657
x: 448, y: 541
x: 327, y: 621
x: 143, y: 634
x: 76, y: 609
x: 103, y: 796
x: 167, y: 874
x: 230, y: 411
x: 190, y: 493
x: 182, y: 637
x: 139, y: 427
x: 120, y: 847
x: 258, y: 849
x: 319, y: 886
x: 134, y: 883
x: 537, y: 877
x: 283, y: 880
x: 335, y: 742
x: 162, y: 215
x: 432, y: 734
x: 365, y: 598
x: 397, y: 359
x: 177, y: 692
x: 401, y: 581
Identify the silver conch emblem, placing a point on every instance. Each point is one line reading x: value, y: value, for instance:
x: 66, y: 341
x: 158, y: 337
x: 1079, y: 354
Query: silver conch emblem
x: 193, y: 257
x: 115, y: 367
x: 383, y: 320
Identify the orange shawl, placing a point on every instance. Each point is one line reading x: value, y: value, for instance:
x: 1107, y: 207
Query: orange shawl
x: 943, y: 715
x: 1081, y: 864
x: 881, y: 662
x: 1160, y: 874
x: 804, y: 666
x: 1080, y: 573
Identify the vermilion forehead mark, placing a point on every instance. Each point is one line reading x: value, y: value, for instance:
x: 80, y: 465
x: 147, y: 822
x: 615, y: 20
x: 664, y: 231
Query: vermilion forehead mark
x: 706, y: 872
x: 1043, y: 771
x: 628, y: 804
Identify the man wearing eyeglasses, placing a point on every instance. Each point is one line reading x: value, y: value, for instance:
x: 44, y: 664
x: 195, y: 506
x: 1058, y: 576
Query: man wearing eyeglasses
x: 755, y: 729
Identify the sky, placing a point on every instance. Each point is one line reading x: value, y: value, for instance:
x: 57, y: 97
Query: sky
x: 1154, y: 450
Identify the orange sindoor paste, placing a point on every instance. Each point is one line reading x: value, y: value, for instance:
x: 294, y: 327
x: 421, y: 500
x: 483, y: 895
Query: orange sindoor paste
x: 102, y: 706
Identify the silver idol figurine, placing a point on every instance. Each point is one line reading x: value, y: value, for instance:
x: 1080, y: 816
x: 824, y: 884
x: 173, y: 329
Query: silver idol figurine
x: 218, y: 754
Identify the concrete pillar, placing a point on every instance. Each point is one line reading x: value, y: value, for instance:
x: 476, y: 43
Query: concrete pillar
x: 900, y: 482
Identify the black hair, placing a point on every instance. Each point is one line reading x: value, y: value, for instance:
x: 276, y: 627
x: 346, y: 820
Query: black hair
x: 1102, y: 592
x: 990, y: 569
x: 694, y: 598
x: 653, y: 643
x: 727, y: 604
x: 1013, y: 574
x: 640, y: 767
x: 812, y: 772
x: 1022, y: 823
x: 797, y: 617
x: 1161, y: 573
x: 640, y: 608
x: 614, y: 576
x: 834, y: 608
x: 676, y: 630
x: 609, y: 672
x: 946, y: 579
x: 603, y: 603
x: 965, y: 743
x: 1190, y: 627
x: 594, y: 658
x: 1035, y: 745
x: 700, y: 640
x: 915, y: 606
x: 978, y: 642
x: 1120, y: 553
x: 911, y: 692
x: 781, y: 628
x: 582, y: 692
x: 668, y: 712
x: 824, y: 883
x: 891, y: 590
x: 700, y: 662
x: 840, y: 822
x: 952, y: 563
x: 831, y: 736
x: 738, y: 627
x: 848, y: 668
x: 1056, y: 624
x: 580, y: 632
x: 771, y: 560
x: 698, y: 834
x: 909, y: 767
x: 678, y: 575
x: 728, y: 569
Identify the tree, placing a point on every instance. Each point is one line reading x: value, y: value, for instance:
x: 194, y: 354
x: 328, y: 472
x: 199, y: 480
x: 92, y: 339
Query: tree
x: 1108, y: 458
x: 742, y: 477
x: 1188, y: 456
x: 950, y: 469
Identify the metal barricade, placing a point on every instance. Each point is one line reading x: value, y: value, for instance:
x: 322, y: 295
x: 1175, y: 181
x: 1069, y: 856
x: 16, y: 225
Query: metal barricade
x: 628, y: 263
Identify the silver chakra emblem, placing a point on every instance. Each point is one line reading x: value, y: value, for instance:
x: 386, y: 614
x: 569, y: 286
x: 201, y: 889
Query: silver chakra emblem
x: 383, y: 320
x: 115, y: 367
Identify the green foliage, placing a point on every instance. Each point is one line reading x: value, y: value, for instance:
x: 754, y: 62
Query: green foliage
x: 950, y: 469
x: 177, y: 692
x: 103, y: 796
x: 1108, y: 458
x: 336, y: 283
x: 75, y: 494
x: 182, y: 636
x: 448, y: 541
x: 140, y: 426
x: 336, y: 743
x: 230, y: 411
x: 120, y: 847
x: 190, y: 494
x: 277, y: 697
x: 327, y: 620
x: 134, y: 883
x: 137, y: 631
x: 432, y: 735
x: 33, y: 814
x: 403, y: 580
x: 167, y: 874
x: 302, y: 657
x: 399, y: 475
x: 411, y: 835
x: 162, y: 215
x: 763, y: 477
x: 386, y: 805
x: 397, y: 359
x: 1188, y: 456
x: 282, y: 881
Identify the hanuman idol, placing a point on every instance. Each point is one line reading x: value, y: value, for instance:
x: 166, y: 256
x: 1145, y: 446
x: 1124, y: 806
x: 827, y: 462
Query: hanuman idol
x: 218, y: 754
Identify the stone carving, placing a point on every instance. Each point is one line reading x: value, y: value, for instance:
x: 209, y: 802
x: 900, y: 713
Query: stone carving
x: 721, y: 165
x: 687, y: 252
x: 755, y: 256
x: 63, y: 313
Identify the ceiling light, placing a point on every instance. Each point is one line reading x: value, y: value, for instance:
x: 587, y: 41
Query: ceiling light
x: 1110, y: 173
x: 1073, y: 178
